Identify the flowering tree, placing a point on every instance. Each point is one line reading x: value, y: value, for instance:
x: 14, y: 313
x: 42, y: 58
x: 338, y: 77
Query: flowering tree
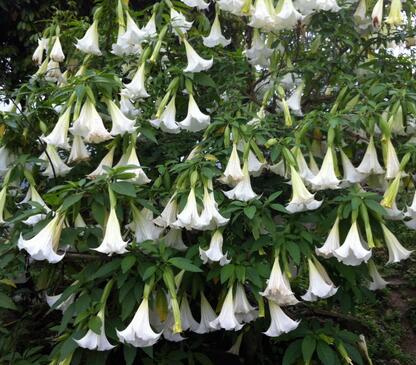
x: 274, y: 139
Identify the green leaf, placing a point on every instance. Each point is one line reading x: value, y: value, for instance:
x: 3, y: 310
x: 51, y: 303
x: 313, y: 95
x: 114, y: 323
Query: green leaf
x: 279, y: 208
x: 95, y: 324
x: 106, y: 269
x: 294, y: 251
x: 149, y: 272
x: 226, y: 272
x: 6, y: 302
x: 124, y: 188
x: 308, y: 348
x: 326, y: 354
x: 184, y: 264
x: 293, y: 353
x: 374, y: 206
x: 69, y: 201
x: 129, y: 353
x: 250, y: 211
x: 127, y: 263
x: 204, y: 79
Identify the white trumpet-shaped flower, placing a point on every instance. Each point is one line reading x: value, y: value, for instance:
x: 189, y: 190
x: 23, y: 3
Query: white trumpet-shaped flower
x: 377, y: 282
x: 189, y: 218
x: 411, y: 211
x: 56, y: 52
x: 320, y: 285
x: 233, y: 172
x: 370, y: 165
x: 142, y: 225
x: 121, y: 124
x: 63, y: 306
x: 395, y: 16
x: 54, y: 164
x: 326, y: 178
x: 59, y: 135
x: 167, y: 121
x: 195, y: 120
x: 214, y: 252
x: 280, y: 322
x: 236, y: 7
x: 53, y: 71
x: 38, y: 54
x: 377, y: 13
x: 278, y: 287
x: 113, y: 241
x: 263, y: 15
x: 34, y: 196
x: 178, y: 20
x: 244, y: 311
x: 397, y: 252
x: 187, y: 319
x: 79, y: 151
x: 332, y: 242
x: 107, y: 161
x: 169, y: 213
x: 136, y: 88
x: 227, y: 319
x: 127, y: 107
x: 195, y: 62
x: 302, y: 199
x: 3, y: 196
x: 95, y: 341
x: 352, y: 251
x: 351, y: 175
x: 242, y: 191
x: 294, y: 101
x: 259, y: 54
x: 309, y: 6
x: 44, y: 245
x: 6, y: 159
x: 89, y: 43
x: 210, y: 216
x: 174, y: 239
x: 304, y: 171
x: 89, y: 125
x: 199, y: 4
x: 139, y: 333
x: 129, y: 158
x: 287, y: 17
x: 207, y: 316
x: 392, y: 162
x: 360, y: 15
x: 215, y: 37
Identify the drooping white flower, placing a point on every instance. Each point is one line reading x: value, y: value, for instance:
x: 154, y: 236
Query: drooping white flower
x: 263, y: 15
x: 287, y: 17
x: 280, y: 322
x: 310, y: 6
x: 294, y: 101
x: 255, y: 167
x: 79, y: 222
x: 94, y: 341
x: 59, y: 135
x: 377, y: 281
x: 89, y: 125
x: 242, y: 191
x: 214, y: 252
x: 352, y: 251
x: 199, y: 4
x: 377, y: 14
x: 189, y: 218
x: 149, y: 30
x: 136, y: 88
x: 320, y: 285
x: 127, y: 107
x: 178, y: 20
x: 129, y: 158
x: 56, y: 52
x: 167, y: 121
x: 113, y: 241
x: 278, y: 287
x: 215, y: 37
x: 360, y: 15
x: 392, y: 162
x: 195, y: 62
x: 59, y: 168
x: 332, y: 242
x: 397, y: 252
x: 169, y: 213
x: 6, y: 159
x: 411, y: 211
x: 53, y: 71
x: 351, y: 175
x: 52, y: 299
x: 233, y: 173
x: 302, y: 199
x: 210, y: 216
x: 79, y: 151
x: 187, y: 319
x: 326, y: 178
x: 304, y: 171
x: 33, y: 195
x: 107, y: 161
x: 89, y: 43
x: 131, y: 37
x: 370, y: 165
x: 259, y: 54
x: 43, y: 246
x: 394, y: 213
x: 244, y: 311
x: 236, y: 7
x: 313, y: 166
x: 139, y: 333
x: 195, y: 120
x: 174, y: 239
x: 207, y: 316
x: 3, y: 196
x: 143, y: 226
x: 38, y: 54
x: 411, y: 224
x: 227, y: 319
x: 121, y: 124
x: 278, y: 168
x: 395, y: 16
